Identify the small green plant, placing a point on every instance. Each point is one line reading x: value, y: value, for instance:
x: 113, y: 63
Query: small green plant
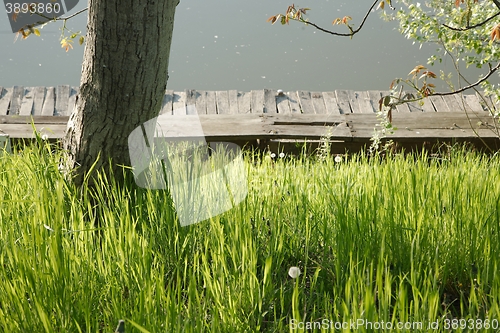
x: 324, y: 149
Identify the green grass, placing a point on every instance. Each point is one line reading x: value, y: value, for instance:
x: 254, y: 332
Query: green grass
x: 404, y: 239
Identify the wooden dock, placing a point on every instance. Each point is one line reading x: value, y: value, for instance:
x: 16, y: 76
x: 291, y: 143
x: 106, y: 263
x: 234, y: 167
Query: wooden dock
x: 349, y: 117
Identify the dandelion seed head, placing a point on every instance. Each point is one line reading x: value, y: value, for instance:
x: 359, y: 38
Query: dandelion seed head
x: 273, y: 155
x: 282, y: 155
x: 294, y: 272
x: 45, y: 137
x: 338, y: 159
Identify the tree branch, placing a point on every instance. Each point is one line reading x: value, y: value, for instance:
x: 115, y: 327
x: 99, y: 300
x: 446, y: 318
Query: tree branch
x: 475, y: 25
x: 63, y: 18
x: 352, y: 33
x: 470, y: 86
x: 72, y: 15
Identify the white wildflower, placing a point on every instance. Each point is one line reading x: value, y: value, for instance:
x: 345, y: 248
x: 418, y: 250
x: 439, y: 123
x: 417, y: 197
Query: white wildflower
x: 294, y: 272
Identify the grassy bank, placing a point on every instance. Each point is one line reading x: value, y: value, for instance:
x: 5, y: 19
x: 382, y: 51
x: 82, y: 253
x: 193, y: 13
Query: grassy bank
x: 379, y: 242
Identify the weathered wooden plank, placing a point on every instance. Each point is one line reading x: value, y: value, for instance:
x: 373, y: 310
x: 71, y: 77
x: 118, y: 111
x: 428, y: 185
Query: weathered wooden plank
x: 486, y: 102
x: 4, y: 100
x: 363, y: 101
x: 232, y: 96
x: 353, y: 101
x: 18, y: 119
x: 412, y: 127
x: 191, y: 110
x: 15, y: 100
x: 201, y: 102
x: 253, y: 126
x: 306, y: 105
x: 439, y: 104
x: 27, y: 102
x: 430, y: 126
x: 257, y: 103
x: 307, y: 119
x: 360, y: 101
x: 293, y: 101
x: 179, y: 103
x: 495, y: 103
x: 300, y: 132
x: 49, y: 102
x: 191, y: 96
x: 403, y: 108
x: 330, y: 101
x: 415, y: 107
x: 38, y: 100
x: 222, y: 100
x: 425, y: 106
x: 461, y: 102
x: 211, y: 102
x: 18, y: 126
x: 305, y: 102
x: 219, y: 128
x: 473, y: 102
x: 312, y: 120
x: 167, y: 103
x: 62, y: 97
x: 73, y: 93
x: 362, y: 121
x: 318, y: 102
x: 244, y: 102
x: 453, y: 104
x: 343, y: 101
x: 282, y: 104
x: 16, y: 131
x: 426, y: 120
x: 375, y: 96
x: 424, y: 135
x: 270, y: 101
x: 443, y: 122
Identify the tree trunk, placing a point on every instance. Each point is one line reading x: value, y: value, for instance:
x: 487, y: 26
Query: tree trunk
x: 123, y: 81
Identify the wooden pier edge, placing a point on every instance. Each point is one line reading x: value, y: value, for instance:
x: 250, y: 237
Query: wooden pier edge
x: 274, y: 120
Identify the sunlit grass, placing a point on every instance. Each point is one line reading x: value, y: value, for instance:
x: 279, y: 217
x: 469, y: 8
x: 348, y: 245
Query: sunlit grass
x: 401, y: 239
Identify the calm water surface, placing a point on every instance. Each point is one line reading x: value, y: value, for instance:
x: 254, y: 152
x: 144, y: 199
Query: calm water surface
x: 229, y: 45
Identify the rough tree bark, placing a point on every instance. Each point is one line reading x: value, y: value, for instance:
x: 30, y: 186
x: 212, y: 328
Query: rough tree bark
x: 123, y: 81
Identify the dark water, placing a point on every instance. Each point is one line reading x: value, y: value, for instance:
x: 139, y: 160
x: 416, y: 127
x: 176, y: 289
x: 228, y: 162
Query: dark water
x: 229, y: 45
